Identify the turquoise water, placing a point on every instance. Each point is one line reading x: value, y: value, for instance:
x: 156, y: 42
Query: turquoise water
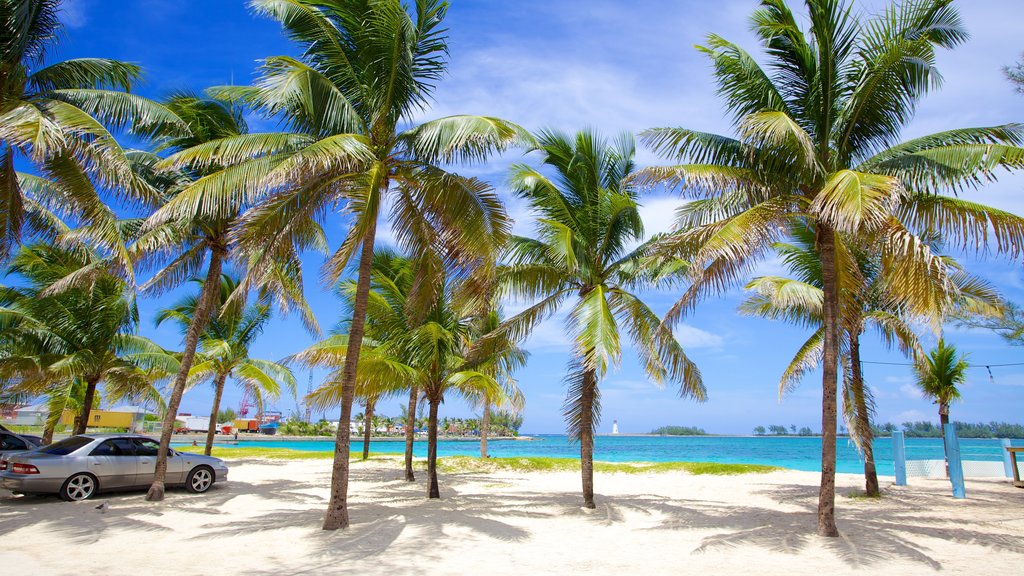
x: 789, y: 452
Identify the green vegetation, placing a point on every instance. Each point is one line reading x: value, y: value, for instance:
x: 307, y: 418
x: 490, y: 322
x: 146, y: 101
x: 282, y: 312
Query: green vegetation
x: 679, y: 431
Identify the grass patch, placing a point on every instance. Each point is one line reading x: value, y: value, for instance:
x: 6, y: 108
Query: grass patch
x: 467, y: 464
x: 472, y: 464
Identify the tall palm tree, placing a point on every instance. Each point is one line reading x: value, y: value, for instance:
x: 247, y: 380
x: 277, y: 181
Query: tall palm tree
x: 191, y: 228
x: 819, y: 130
x: 224, y: 351
x: 63, y: 345
x: 587, y: 220
x: 56, y: 116
x: 365, y: 70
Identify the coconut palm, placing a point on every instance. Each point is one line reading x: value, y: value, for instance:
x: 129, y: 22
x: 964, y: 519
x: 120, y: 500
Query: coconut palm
x: 191, y: 228
x: 500, y: 364
x: 366, y: 69
x: 63, y: 345
x: 402, y: 350
x: 798, y: 300
x: 586, y: 221
x: 938, y: 375
x: 55, y: 116
x: 224, y: 351
x: 819, y: 130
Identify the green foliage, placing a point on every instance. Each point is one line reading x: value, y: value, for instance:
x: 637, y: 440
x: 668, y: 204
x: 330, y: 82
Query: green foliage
x: 760, y: 430
x: 296, y: 427
x: 679, y: 431
x: 226, y: 415
x: 926, y: 429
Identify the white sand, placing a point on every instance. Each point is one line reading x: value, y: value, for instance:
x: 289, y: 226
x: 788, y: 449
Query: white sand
x: 266, y: 520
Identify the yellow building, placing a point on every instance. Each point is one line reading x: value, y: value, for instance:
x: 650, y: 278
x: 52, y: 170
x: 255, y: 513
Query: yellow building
x: 104, y: 419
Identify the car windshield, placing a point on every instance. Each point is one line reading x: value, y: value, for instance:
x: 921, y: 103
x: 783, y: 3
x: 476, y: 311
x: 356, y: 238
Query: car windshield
x: 65, y: 446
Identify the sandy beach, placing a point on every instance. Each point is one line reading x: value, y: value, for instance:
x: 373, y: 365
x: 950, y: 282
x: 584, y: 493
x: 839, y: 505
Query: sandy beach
x: 266, y: 519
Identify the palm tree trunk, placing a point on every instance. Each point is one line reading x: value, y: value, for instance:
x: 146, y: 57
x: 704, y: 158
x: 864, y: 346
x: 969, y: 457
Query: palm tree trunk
x: 943, y: 420
x: 410, y: 432
x: 587, y: 436
x: 90, y: 394
x: 337, y: 508
x: 825, y: 240
x: 367, y: 429
x: 204, y: 309
x: 433, y: 490
x: 485, y: 427
x: 863, y: 422
x: 48, y: 434
x: 217, y: 393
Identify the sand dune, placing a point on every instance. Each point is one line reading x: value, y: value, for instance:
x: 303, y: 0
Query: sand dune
x: 266, y: 521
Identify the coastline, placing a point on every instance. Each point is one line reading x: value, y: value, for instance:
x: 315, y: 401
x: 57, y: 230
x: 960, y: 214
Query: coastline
x: 266, y: 520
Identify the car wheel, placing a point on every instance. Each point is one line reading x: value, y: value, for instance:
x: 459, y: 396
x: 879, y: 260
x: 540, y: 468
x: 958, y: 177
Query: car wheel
x: 78, y: 487
x: 199, y: 479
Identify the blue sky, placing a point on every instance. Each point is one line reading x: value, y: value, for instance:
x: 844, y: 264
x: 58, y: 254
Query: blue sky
x: 614, y: 66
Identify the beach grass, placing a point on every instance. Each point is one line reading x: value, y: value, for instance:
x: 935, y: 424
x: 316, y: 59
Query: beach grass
x: 472, y: 464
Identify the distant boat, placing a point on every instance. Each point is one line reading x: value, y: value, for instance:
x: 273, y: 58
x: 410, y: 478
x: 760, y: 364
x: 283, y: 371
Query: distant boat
x: 269, y: 428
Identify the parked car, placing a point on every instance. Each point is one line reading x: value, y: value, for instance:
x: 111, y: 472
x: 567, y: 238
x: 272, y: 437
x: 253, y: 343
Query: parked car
x: 78, y: 467
x: 11, y: 442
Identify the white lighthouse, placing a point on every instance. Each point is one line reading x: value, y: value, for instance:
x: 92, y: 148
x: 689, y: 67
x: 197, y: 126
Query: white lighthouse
x: 615, y: 426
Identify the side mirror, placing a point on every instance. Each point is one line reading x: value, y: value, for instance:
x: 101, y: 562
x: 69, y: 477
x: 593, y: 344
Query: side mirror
x: 170, y: 453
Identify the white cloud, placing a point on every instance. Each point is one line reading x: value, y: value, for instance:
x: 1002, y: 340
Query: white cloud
x: 693, y: 337
x: 912, y: 392
x: 909, y: 416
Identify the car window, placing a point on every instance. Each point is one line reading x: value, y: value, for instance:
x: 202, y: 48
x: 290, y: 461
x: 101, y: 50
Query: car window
x: 9, y: 442
x: 115, y: 447
x: 65, y: 446
x: 146, y: 447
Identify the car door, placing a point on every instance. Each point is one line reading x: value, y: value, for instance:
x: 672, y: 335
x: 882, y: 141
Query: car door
x: 113, y: 463
x: 147, y: 449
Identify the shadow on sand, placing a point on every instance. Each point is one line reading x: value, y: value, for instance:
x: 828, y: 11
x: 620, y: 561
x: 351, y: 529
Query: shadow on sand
x: 873, y: 532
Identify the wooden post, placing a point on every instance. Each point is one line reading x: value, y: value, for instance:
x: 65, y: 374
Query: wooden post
x: 899, y: 456
x: 1007, y: 463
x: 956, y: 467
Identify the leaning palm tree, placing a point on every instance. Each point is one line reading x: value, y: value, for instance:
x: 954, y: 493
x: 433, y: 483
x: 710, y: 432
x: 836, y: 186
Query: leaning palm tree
x: 366, y: 69
x: 819, y: 131
x: 191, y: 229
x: 224, y: 351
x: 63, y: 345
x: 586, y: 220
x: 55, y: 117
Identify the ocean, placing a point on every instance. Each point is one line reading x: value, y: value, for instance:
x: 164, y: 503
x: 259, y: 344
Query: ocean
x: 794, y: 452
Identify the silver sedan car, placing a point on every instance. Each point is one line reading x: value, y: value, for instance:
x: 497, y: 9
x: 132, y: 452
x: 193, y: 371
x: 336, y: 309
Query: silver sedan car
x: 78, y: 467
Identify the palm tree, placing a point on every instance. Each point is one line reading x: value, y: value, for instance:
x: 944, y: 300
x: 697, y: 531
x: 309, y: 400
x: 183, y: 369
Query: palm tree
x: 365, y: 70
x: 224, y: 351
x: 938, y: 375
x: 55, y: 117
x: 798, y: 300
x: 203, y: 203
x: 64, y: 345
x: 500, y: 364
x: 819, y: 140
x: 587, y: 219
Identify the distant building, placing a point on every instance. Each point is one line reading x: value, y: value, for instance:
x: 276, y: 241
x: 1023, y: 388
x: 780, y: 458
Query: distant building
x: 30, y: 415
x: 615, y: 426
